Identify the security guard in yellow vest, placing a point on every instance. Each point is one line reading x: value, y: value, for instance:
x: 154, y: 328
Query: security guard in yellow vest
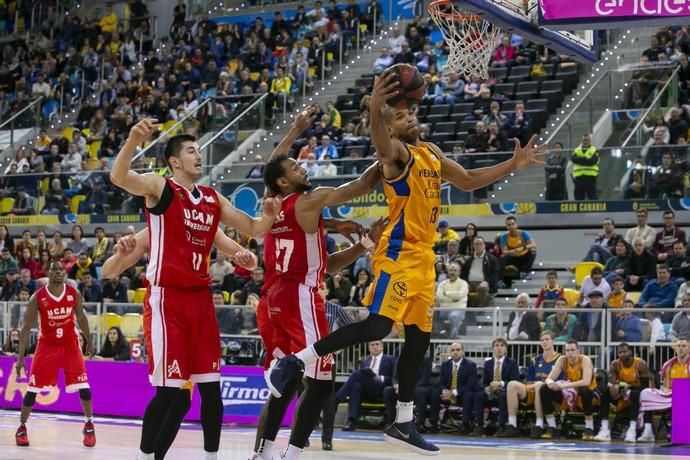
x: 586, y: 170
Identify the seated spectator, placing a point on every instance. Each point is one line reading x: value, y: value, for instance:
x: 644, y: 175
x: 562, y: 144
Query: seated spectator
x: 359, y: 289
x: 220, y: 268
x: 339, y: 287
x: 642, y: 83
x: 100, y: 247
x: 604, y: 244
x: 473, y: 87
x: 497, y: 141
x: 82, y: 266
x: 550, y: 293
x: 562, y: 324
x: 90, y: 289
x: 326, y: 148
x: 257, y: 170
x: 679, y: 264
x: 482, y: 105
x: 641, y: 267
x: 505, y: 53
x: 680, y: 325
x: 667, y: 180
x: 522, y: 323
x: 615, y: 266
x: 26, y: 260
x: 310, y: 147
x: 24, y: 243
x: 498, y: 372
x: 466, y: 246
x: 519, y: 124
x: 626, y: 327
x: 495, y: 115
x: 25, y: 281
x: 253, y: 286
x: 451, y: 303
x: 518, y: 249
x: 666, y: 237
x: 78, y: 244
x: 24, y: 204
x: 453, y: 255
x: 367, y: 383
x: 115, y: 347
x: 481, y: 273
x: 115, y: 290
x: 444, y: 234
x: 660, y: 146
x: 68, y: 260
x: 677, y: 126
x: 424, y: 394
x: 311, y: 165
x: 327, y: 168
x: 579, y: 376
x: 56, y: 200
x: 382, y: 62
x: 7, y: 263
x: 660, y: 292
x: 593, y: 282
x: 11, y: 346
x: 459, y: 382
x: 618, y: 295
x: 425, y: 60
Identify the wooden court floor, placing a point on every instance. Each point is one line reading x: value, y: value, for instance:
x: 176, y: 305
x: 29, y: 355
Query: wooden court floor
x: 59, y: 437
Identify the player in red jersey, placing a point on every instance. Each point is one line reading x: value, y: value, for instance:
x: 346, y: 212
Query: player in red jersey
x: 296, y: 310
x: 180, y: 331
x: 59, y: 309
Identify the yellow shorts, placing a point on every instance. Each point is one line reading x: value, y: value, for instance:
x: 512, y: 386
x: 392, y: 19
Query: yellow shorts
x: 404, y: 284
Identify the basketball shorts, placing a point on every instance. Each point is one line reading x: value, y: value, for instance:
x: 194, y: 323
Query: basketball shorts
x: 298, y: 319
x: 181, y: 335
x: 263, y: 324
x: 50, y: 358
x: 404, y: 285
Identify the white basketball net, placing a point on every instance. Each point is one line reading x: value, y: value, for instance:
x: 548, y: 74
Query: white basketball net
x: 471, y: 39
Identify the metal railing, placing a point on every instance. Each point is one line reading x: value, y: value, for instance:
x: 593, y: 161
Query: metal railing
x: 33, y: 105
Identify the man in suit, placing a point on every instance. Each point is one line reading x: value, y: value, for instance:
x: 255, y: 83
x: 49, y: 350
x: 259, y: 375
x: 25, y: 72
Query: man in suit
x: 367, y: 383
x: 424, y: 394
x: 498, y: 372
x: 523, y: 324
x: 459, y: 381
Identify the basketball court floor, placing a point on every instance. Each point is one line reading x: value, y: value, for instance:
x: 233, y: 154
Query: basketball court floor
x: 59, y: 437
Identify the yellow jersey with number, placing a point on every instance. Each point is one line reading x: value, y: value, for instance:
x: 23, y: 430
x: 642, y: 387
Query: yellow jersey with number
x: 414, y: 201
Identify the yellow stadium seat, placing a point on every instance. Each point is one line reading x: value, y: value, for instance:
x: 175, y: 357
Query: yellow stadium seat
x: 93, y: 322
x: 74, y: 203
x: 254, y: 75
x: 312, y: 72
x: 45, y: 184
x: 130, y: 295
x: 571, y: 296
x: 68, y: 133
x: 109, y: 320
x: 86, y: 132
x: 92, y: 163
x: 168, y: 125
x: 6, y: 204
x: 583, y: 269
x: 363, y: 28
x: 233, y: 65
x: 139, y: 295
x: 226, y: 296
x: 329, y: 57
x: 132, y: 324
x: 634, y: 296
x: 93, y: 149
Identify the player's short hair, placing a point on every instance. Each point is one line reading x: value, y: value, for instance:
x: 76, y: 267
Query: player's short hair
x: 273, y: 171
x: 174, y: 145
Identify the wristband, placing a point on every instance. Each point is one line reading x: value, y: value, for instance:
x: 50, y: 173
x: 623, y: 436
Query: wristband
x: 366, y: 242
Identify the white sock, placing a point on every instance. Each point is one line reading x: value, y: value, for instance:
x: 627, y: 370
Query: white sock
x: 551, y: 421
x: 589, y: 424
x: 266, y: 449
x: 292, y: 453
x: 539, y: 422
x: 648, y: 428
x: 210, y: 455
x: 404, y: 414
x: 633, y: 424
x: 604, y: 425
x: 512, y: 420
x: 143, y: 456
x: 88, y: 419
x: 308, y: 355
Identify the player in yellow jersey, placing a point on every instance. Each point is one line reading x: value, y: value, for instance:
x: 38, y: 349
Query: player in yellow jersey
x: 628, y: 375
x: 652, y: 399
x: 403, y: 263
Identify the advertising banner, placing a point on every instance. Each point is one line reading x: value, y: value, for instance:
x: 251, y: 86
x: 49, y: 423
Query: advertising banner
x: 594, y: 13
x: 122, y: 389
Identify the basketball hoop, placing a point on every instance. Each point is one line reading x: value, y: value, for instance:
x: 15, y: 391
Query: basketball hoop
x: 471, y: 38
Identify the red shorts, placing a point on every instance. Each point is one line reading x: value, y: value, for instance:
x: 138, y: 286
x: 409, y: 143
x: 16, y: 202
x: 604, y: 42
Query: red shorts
x: 182, y: 337
x: 263, y: 323
x: 298, y: 318
x: 50, y: 358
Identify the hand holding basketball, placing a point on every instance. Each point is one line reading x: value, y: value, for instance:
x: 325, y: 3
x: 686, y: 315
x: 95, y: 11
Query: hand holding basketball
x: 142, y: 131
x: 524, y: 157
x: 385, y: 87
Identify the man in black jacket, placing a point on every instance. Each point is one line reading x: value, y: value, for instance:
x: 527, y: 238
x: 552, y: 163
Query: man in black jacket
x: 523, y: 324
x: 481, y: 273
x: 459, y: 382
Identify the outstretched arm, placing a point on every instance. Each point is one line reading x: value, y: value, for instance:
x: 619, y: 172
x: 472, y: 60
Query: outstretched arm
x: 472, y: 179
x: 250, y: 226
x: 388, y: 149
x: 149, y: 186
x: 300, y: 124
x: 330, y: 196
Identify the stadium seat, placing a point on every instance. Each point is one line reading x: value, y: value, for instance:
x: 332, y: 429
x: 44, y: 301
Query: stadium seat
x: 634, y: 296
x: 499, y: 73
x: 92, y: 163
x: 109, y: 320
x: 505, y: 89
x: 468, y: 126
x: 93, y: 322
x: 130, y: 295
x: 583, y: 269
x: 445, y: 127
x: 436, y: 118
x: 74, y: 203
x: 519, y: 73
x: 439, y: 109
x: 537, y: 104
x: 527, y: 90
x: 6, y: 204
x: 139, y: 295
x: 68, y: 132
x: 509, y: 106
x: 168, y: 125
x: 132, y: 324
x: 94, y: 148
x: 571, y: 296
x: 226, y: 296
x: 463, y: 108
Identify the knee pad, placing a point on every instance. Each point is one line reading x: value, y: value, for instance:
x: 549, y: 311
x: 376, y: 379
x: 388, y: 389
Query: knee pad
x: 29, y: 399
x: 85, y: 394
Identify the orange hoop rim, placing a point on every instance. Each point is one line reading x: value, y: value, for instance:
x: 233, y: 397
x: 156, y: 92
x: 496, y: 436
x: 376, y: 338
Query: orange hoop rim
x: 435, y: 9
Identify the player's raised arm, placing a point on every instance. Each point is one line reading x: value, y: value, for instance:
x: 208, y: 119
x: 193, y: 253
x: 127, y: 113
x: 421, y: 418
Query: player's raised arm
x: 300, y: 124
x: 348, y: 256
x: 29, y: 321
x: 250, y: 226
x: 472, y: 179
x: 83, y: 322
x: 388, y: 149
x: 333, y: 196
x: 127, y: 252
x: 149, y: 186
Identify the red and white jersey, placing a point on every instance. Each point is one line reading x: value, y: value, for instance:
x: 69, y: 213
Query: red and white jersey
x: 300, y: 257
x: 181, y: 232
x: 57, y: 323
x: 269, y: 262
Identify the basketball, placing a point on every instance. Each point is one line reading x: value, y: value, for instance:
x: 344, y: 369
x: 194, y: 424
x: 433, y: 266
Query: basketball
x: 411, y: 84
